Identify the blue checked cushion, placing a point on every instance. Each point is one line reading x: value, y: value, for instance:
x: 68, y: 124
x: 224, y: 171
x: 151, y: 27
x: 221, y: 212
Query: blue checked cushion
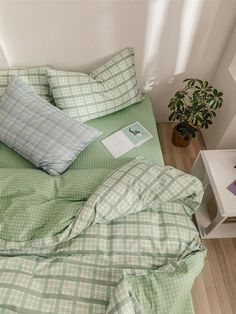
x: 39, y: 131
x: 109, y: 88
x: 35, y: 77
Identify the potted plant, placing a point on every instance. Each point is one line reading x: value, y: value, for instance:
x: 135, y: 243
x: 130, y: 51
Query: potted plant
x: 194, y: 106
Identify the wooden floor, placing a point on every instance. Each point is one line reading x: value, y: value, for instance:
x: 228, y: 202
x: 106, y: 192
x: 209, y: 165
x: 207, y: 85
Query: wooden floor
x: 214, y: 291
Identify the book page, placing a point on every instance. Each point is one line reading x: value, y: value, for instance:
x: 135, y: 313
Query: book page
x: 126, y: 139
x: 118, y: 144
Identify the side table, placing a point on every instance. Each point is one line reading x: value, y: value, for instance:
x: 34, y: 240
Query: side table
x: 216, y: 217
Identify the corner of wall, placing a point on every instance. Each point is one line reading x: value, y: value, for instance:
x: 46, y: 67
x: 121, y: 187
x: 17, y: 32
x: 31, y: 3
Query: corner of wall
x: 3, y: 59
x: 221, y: 133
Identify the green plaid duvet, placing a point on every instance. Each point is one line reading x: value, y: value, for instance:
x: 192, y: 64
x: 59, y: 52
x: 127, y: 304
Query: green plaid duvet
x: 117, y: 245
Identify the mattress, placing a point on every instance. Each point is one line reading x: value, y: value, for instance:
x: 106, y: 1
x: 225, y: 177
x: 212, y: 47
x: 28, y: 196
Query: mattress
x: 96, y: 155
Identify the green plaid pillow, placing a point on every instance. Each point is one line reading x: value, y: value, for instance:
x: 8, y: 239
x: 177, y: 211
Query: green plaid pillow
x: 109, y: 88
x: 35, y: 77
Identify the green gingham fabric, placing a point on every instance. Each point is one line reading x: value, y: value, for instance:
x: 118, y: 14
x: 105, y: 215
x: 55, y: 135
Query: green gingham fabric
x: 161, y: 291
x: 34, y: 204
x: 136, y: 220
x: 40, y: 132
x: 35, y: 77
x: 109, y: 88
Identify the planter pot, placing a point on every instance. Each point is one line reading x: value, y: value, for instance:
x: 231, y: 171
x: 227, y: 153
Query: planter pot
x: 178, y: 139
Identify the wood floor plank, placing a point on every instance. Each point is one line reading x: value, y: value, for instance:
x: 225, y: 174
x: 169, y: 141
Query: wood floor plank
x: 200, y: 298
x: 219, y: 274
x: 214, y: 291
x: 206, y: 291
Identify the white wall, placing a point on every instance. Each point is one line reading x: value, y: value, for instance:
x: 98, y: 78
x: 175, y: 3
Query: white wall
x: 174, y: 39
x: 3, y: 60
x: 228, y: 139
x: 222, y: 133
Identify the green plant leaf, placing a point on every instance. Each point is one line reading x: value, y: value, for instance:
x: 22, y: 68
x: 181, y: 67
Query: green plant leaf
x: 195, y: 104
x: 201, y: 83
x: 205, y: 84
x: 171, y: 117
x: 215, y: 92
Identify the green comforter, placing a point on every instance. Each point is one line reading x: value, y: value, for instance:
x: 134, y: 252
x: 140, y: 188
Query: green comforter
x: 92, y: 241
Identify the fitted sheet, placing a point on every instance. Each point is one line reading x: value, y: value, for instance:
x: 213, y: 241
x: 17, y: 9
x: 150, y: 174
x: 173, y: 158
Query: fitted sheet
x: 96, y: 155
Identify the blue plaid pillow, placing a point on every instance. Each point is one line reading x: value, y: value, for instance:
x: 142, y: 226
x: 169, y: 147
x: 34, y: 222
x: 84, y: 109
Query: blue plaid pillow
x: 39, y: 131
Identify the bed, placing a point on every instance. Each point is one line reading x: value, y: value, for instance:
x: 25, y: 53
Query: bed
x: 94, y: 252
x: 105, y: 235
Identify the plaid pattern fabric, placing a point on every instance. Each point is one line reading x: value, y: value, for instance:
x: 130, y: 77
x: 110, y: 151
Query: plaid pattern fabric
x: 162, y: 291
x: 35, y: 77
x: 83, y: 272
x: 39, y: 131
x: 133, y: 188
x: 109, y: 88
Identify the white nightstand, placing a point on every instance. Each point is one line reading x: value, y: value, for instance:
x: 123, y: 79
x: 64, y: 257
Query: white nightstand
x: 215, y: 168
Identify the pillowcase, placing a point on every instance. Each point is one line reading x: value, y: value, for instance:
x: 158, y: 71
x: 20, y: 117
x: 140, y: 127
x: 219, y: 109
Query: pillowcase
x: 35, y: 77
x: 109, y: 88
x: 39, y: 131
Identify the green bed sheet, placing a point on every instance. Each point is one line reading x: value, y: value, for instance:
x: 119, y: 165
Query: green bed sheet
x: 96, y: 156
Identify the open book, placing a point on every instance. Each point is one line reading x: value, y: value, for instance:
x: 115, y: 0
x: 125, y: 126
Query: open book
x: 126, y: 139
